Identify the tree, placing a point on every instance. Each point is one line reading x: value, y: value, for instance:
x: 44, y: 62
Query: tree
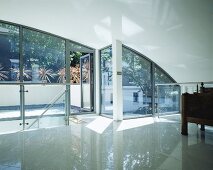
x: 46, y: 74
x: 26, y: 73
x: 75, y: 74
x: 61, y: 76
x: 136, y: 71
x: 45, y: 50
x: 106, y: 63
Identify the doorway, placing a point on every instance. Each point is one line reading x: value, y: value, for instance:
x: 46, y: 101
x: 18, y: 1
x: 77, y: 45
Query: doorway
x: 81, y: 79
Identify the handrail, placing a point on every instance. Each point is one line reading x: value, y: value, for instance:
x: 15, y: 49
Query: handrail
x: 30, y: 83
x: 182, y: 83
x: 52, y: 102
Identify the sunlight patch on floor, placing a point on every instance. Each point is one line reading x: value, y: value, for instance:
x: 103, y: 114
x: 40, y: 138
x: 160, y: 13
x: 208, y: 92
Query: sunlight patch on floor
x: 133, y: 123
x: 165, y: 120
x: 99, y: 124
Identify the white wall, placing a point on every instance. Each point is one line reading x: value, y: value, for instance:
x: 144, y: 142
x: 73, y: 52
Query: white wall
x: 9, y: 95
x: 36, y: 95
x: 176, y: 34
x: 75, y: 95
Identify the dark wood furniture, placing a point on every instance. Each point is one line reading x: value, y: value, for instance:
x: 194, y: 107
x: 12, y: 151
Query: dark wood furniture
x: 197, y: 108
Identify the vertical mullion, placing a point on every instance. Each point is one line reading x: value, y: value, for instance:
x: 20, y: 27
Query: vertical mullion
x: 91, y: 80
x: 153, y: 86
x: 67, y: 72
x: 21, y: 59
x: 21, y: 78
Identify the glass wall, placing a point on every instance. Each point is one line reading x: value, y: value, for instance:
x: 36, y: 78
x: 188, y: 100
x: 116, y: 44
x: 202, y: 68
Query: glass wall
x: 44, y: 62
x: 9, y: 59
x: 9, y: 52
x: 137, y: 90
x: 139, y: 77
x: 106, y: 81
x: 167, y: 97
x: 44, y: 57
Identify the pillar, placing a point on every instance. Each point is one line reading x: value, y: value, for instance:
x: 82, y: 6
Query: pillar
x: 117, y: 80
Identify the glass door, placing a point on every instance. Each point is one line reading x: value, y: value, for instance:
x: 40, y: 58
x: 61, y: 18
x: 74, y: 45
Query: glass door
x: 85, y: 65
x: 81, y: 79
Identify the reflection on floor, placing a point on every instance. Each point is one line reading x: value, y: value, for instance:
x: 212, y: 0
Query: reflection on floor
x: 55, y: 110
x: 147, y: 143
x: 12, y: 126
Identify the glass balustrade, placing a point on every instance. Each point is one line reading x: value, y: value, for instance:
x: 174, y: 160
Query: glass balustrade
x: 167, y: 99
x: 29, y: 106
x: 168, y: 96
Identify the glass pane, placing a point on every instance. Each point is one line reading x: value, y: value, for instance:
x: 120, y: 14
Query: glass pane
x: 85, y: 81
x: 44, y: 106
x: 80, y: 48
x: 162, y: 77
x: 44, y: 57
x: 10, y: 101
x: 106, y: 81
x: 49, y: 99
x: 9, y: 52
x: 75, y: 93
x: 136, y: 81
x: 167, y: 98
x: 10, y: 109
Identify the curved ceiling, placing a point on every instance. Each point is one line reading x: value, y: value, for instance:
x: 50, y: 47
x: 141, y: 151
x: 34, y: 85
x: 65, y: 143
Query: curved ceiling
x: 176, y: 34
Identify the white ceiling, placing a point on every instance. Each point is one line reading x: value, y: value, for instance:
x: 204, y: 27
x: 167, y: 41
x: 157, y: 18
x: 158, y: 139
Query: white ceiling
x: 176, y: 34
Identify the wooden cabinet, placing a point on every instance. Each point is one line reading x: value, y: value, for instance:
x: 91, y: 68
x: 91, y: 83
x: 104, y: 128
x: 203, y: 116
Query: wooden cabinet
x: 197, y: 108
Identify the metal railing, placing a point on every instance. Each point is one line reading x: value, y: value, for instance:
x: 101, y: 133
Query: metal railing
x: 21, y: 96
x: 50, y: 105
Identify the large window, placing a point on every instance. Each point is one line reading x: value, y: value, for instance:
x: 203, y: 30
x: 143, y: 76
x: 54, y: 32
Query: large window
x: 44, y: 57
x: 106, y: 81
x: 9, y: 52
x: 33, y: 56
x: 139, y: 76
x: 137, y: 91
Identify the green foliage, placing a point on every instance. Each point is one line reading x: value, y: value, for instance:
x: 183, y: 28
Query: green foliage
x: 75, y: 58
x: 106, y: 63
x: 12, y: 33
x: 136, y: 70
x: 161, y: 76
x: 106, y: 54
x: 46, y: 74
x: 43, y: 49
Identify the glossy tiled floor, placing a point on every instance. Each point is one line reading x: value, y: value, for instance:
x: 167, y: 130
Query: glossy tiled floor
x: 98, y: 143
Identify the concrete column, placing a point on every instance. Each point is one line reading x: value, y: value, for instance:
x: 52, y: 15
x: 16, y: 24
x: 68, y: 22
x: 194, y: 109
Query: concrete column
x: 97, y: 82
x: 117, y: 80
